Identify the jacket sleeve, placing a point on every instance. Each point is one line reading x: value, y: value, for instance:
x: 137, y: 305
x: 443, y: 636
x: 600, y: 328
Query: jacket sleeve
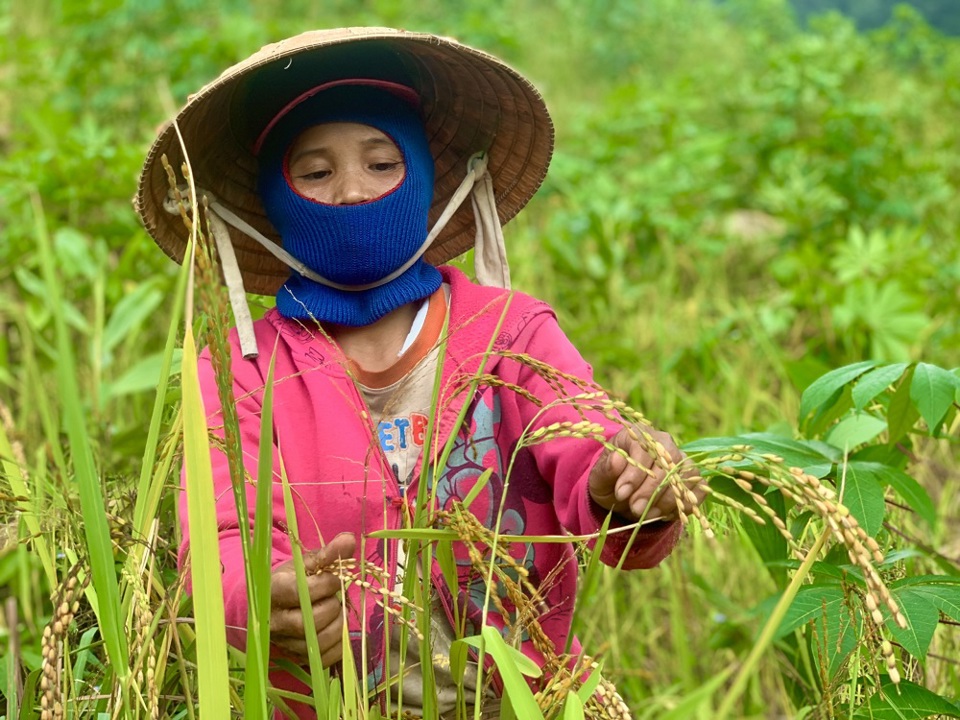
x: 248, y: 392
x: 566, y: 462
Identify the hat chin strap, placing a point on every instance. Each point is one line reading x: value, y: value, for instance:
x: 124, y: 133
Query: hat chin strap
x: 490, y: 257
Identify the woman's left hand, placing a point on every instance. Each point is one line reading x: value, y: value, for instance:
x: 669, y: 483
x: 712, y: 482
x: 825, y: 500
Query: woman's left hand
x: 639, y: 490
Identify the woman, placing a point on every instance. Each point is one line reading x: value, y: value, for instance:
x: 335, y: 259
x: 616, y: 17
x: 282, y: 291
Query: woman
x: 403, y: 388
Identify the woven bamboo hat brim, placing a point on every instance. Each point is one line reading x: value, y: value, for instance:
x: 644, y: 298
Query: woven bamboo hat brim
x: 470, y: 101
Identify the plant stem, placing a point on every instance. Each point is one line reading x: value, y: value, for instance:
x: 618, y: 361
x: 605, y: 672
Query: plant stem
x: 770, y: 629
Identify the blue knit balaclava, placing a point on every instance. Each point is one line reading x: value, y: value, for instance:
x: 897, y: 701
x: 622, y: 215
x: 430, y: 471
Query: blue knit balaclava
x: 351, y: 244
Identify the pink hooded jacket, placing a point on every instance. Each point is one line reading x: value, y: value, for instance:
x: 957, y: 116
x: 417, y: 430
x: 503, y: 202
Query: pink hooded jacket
x: 342, y: 483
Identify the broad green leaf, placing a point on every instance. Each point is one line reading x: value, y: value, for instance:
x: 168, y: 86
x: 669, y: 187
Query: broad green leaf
x: 901, y: 415
x: 922, y: 619
x: 130, y: 312
x: 143, y: 375
x: 834, y: 636
x: 930, y: 580
x: 909, y: 490
x: 769, y: 543
x: 792, y: 451
x: 942, y: 592
x: 824, y: 388
x: 205, y: 571
x: 863, y: 494
x: 906, y: 701
x: 945, y: 599
x: 73, y: 251
x: 810, y: 604
x: 932, y: 392
x: 855, y: 430
x: 875, y: 382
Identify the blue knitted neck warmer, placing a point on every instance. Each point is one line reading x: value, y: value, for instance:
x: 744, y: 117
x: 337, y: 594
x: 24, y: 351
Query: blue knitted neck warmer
x: 352, y: 244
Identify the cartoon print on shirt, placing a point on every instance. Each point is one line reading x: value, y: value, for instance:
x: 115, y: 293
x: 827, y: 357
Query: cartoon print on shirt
x: 475, y: 451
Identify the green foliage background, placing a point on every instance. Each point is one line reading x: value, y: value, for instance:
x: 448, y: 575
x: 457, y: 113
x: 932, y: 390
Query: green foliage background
x: 737, y: 204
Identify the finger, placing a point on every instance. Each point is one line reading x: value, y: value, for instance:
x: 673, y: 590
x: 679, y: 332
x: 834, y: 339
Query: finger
x: 329, y: 642
x: 284, y: 592
x: 342, y: 546
x: 289, y: 622
x: 637, y: 473
x: 653, y: 492
x: 331, y: 636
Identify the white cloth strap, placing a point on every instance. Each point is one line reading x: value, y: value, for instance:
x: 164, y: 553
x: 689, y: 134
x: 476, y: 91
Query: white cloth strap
x: 490, y: 258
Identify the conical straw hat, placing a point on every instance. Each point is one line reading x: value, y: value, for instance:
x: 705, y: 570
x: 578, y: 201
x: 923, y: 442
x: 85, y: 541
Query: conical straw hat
x: 470, y: 101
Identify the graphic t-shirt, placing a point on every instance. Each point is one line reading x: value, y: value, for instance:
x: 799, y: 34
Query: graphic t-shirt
x: 399, y: 401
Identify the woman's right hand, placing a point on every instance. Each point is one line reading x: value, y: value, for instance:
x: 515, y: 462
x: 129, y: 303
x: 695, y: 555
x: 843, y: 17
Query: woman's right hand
x: 286, y: 620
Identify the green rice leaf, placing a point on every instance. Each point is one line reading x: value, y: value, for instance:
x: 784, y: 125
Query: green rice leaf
x: 14, y: 475
x: 319, y: 676
x: 205, y: 570
x: 478, y: 487
x: 513, y: 665
x: 426, y: 534
x: 351, y: 685
x: 96, y: 530
x: 696, y: 704
x: 259, y: 563
x: 573, y: 707
x: 591, y: 684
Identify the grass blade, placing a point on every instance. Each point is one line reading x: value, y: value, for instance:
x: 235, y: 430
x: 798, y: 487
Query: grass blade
x: 258, y: 564
x: 92, y: 505
x: 205, y: 571
x: 319, y: 676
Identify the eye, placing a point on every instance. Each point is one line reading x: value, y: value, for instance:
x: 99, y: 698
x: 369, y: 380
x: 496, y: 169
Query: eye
x: 386, y: 166
x: 314, y: 175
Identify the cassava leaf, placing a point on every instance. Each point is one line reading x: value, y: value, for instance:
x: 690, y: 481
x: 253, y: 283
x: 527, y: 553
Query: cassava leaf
x: 909, y: 490
x: 932, y: 391
x: 863, y: 494
x: 906, y: 701
x: 793, y: 452
x: 823, y: 389
x: 855, y: 429
x: 901, y: 415
x: 875, y: 382
x: 942, y: 592
x: 922, y: 619
x: 810, y: 603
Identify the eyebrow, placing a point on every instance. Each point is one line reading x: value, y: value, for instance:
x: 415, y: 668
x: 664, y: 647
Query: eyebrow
x: 324, y: 149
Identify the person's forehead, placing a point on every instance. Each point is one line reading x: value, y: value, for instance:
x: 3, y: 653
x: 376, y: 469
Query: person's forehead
x: 342, y: 133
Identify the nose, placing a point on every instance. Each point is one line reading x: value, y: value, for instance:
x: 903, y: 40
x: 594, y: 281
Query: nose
x: 351, y: 189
